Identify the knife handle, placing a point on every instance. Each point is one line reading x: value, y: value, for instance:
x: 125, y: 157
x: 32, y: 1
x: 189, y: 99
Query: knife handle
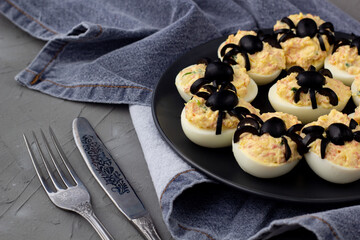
x: 147, y: 228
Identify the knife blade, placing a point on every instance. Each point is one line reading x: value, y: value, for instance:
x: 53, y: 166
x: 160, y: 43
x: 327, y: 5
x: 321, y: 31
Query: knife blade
x: 108, y: 174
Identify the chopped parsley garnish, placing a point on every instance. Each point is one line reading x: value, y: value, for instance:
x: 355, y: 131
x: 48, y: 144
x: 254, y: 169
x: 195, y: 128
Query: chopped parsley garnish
x: 187, y: 73
x: 347, y: 64
x: 294, y: 89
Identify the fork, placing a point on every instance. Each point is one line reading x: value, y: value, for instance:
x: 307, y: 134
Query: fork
x: 69, y: 193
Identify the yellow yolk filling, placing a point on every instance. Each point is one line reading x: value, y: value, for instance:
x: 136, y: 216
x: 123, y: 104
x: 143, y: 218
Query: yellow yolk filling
x: 267, y: 149
x: 203, y: 117
x: 346, y: 59
x: 265, y: 62
x: 347, y: 155
x: 296, y: 18
x: 303, y: 51
x: 192, y: 73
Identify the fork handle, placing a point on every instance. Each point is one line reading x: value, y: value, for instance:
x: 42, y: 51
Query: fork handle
x: 97, y: 225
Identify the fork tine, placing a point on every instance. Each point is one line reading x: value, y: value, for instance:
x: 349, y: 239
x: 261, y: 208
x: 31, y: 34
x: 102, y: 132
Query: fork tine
x: 63, y: 157
x: 47, y: 167
x: 60, y: 172
x: 37, y: 168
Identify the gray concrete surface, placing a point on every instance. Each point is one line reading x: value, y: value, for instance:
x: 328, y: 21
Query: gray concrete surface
x: 25, y: 210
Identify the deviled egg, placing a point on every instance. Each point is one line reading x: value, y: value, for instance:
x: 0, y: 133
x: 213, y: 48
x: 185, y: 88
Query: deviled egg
x: 267, y: 149
x: 263, y: 62
x: 245, y: 87
x: 344, y: 63
x: 199, y: 123
x: 356, y: 115
x: 308, y: 95
x: 355, y: 90
x: 300, y: 38
x: 334, y: 147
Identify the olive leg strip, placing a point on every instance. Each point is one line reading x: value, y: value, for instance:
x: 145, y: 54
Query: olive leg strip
x: 327, y: 25
x: 239, y: 112
x: 326, y: 72
x: 318, y: 130
x: 219, y: 123
x: 321, y: 41
x: 247, y: 61
x: 282, y: 30
x: 295, y: 128
x: 296, y: 69
x: 287, y: 148
x: 333, y: 98
x: 257, y: 118
x: 324, y: 143
x: 286, y: 36
x: 353, y: 124
x: 288, y: 21
x: 228, y: 57
x: 313, y: 98
x: 357, y: 136
x: 230, y: 45
x: 203, y: 95
x: 301, y: 148
x: 249, y: 122
x: 242, y: 130
x: 298, y: 92
x: 195, y: 87
x: 310, y: 138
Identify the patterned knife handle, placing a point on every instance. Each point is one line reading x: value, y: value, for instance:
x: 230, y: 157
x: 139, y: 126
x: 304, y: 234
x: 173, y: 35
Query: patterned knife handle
x: 147, y: 227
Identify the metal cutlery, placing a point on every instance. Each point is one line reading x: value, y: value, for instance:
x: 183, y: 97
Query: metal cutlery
x: 108, y: 174
x: 65, y: 190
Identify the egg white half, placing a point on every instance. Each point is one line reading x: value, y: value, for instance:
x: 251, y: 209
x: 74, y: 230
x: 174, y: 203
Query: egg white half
x: 259, y: 169
x: 252, y: 90
x: 304, y: 113
x: 260, y: 79
x: 179, y: 87
x: 264, y: 79
x: 331, y: 172
x: 206, y: 137
x: 354, y: 94
x: 339, y: 74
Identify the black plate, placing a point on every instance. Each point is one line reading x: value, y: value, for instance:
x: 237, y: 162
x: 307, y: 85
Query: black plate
x: 300, y: 185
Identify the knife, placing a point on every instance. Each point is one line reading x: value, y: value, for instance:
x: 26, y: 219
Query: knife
x: 108, y: 174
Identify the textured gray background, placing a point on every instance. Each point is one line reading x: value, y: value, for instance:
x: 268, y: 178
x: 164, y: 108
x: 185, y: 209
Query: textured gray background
x: 25, y: 210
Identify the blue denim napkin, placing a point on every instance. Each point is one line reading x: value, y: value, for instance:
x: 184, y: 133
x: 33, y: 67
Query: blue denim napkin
x: 115, y: 52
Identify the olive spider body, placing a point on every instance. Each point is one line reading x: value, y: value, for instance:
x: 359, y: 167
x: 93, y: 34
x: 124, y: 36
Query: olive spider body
x: 313, y: 82
x: 336, y: 133
x: 307, y: 27
x: 220, y: 93
x: 275, y: 127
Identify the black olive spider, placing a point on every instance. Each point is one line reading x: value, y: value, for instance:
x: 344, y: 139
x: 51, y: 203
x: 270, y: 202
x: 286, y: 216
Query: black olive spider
x: 353, y: 42
x: 220, y: 93
x: 248, y: 44
x: 276, y: 128
x: 337, y: 133
x: 313, y: 82
x: 307, y: 27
